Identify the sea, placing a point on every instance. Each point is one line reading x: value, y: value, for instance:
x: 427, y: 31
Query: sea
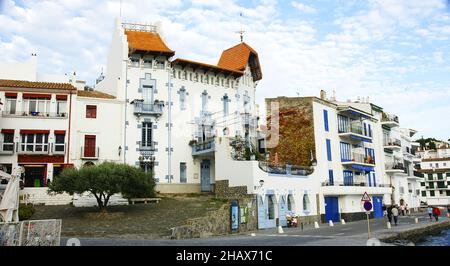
x: 442, y: 239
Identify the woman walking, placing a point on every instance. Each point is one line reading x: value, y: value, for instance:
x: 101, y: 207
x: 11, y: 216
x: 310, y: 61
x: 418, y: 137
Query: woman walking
x: 395, y: 214
x: 430, y: 212
x: 436, y: 213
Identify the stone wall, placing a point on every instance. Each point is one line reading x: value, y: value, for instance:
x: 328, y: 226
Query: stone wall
x: 218, y: 222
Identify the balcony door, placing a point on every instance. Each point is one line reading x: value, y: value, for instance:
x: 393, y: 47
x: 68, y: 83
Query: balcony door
x: 89, y: 146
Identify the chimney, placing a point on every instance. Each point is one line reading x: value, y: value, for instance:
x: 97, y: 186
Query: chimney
x: 323, y: 95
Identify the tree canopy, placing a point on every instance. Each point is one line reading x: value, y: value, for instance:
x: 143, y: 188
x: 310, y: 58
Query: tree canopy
x: 103, y: 181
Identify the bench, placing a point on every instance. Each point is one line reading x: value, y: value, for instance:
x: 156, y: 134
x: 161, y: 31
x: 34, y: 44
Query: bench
x: 144, y: 200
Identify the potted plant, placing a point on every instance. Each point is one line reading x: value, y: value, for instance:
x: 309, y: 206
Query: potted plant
x: 192, y: 142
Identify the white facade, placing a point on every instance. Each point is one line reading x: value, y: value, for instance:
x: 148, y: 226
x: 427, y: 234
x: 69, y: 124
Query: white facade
x: 435, y: 183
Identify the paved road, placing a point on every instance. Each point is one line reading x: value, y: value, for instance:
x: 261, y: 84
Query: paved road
x: 350, y: 234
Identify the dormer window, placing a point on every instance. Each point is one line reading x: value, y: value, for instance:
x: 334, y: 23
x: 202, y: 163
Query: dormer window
x: 185, y: 75
x: 148, y: 63
x: 160, y: 64
x: 134, y: 61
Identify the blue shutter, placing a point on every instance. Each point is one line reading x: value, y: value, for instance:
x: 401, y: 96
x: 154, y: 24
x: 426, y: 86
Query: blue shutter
x: 329, y: 149
x: 370, y: 179
x: 374, y: 180
x: 365, y: 129
x: 331, y: 177
x: 325, y: 119
x: 370, y: 130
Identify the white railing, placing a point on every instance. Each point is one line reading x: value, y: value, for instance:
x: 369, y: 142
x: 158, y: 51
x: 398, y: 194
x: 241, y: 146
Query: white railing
x: 139, y: 27
x: 33, y: 148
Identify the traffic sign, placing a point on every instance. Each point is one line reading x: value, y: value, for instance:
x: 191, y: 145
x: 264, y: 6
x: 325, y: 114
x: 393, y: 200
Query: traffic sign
x: 367, y: 206
x: 366, y: 197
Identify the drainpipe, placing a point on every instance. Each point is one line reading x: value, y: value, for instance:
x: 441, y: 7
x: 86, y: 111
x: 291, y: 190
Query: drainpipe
x: 69, y: 129
x: 169, y: 127
x: 126, y: 108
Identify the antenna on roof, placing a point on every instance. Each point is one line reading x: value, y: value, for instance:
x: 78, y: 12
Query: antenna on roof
x: 241, y: 32
x: 120, y: 9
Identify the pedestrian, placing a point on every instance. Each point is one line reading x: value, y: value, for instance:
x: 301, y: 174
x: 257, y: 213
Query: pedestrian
x: 402, y: 210
x: 395, y: 214
x: 389, y: 214
x: 385, y: 209
x: 430, y: 212
x: 448, y: 211
x: 436, y: 213
x: 408, y: 212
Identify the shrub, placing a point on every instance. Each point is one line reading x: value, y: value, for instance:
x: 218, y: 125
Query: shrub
x: 25, y: 212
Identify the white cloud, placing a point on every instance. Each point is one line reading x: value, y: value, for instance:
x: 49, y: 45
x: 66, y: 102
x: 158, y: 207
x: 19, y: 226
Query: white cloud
x: 303, y: 7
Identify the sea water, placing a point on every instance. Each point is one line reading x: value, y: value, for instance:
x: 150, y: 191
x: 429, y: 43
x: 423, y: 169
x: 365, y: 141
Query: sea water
x: 442, y: 239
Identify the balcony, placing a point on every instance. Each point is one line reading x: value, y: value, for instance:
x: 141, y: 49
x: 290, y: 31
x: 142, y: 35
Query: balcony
x: 389, y: 120
x: 395, y: 168
x: 28, y: 114
x: 33, y: 148
x: 354, y: 188
x: 286, y: 170
x: 90, y: 153
x: 6, y: 148
x: 359, y: 161
x: 59, y: 148
x: 249, y: 121
x: 392, y: 144
x: 354, y: 131
x: 206, y: 148
x: 142, y: 108
x: 146, y: 149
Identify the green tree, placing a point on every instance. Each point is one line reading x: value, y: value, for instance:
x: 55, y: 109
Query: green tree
x: 103, y: 181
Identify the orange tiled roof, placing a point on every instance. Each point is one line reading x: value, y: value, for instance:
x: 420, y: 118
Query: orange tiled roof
x: 237, y: 58
x: 95, y: 94
x: 194, y: 64
x: 35, y: 85
x: 147, y: 41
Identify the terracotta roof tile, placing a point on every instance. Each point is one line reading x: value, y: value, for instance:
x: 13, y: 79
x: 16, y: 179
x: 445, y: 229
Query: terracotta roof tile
x: 35, y: 85
x: 95, y: 94
x: 237, y: 58
x: 147, y: 41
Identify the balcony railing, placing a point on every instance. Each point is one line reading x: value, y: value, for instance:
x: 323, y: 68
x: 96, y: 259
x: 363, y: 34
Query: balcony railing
x: 34, y: 114
x: 396, y: 166
x: 392, y: 142
x: 6, y: 148
x: 272, y: 168
x: 361, y: 158
x: 352, y: 128
x: 389, y: 118
x: 33, y: 148
x: 142, y: 108
x: 417, y: 174
x: 59, y: 148
x: 353, y: 184
x: 203, y: 148
x: 146, y: 146
x: 90, y: 153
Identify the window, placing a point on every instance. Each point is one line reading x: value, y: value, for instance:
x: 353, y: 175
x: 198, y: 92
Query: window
x: 36, y: 106
x: 348, y: 178
x: 147, y: 167
x: 146, y: 141
x: 204, y: 101
x: 182, y: 99
x: 325, y: 119
x: 270, y: 207
x: 345, y: 152
x: 61, y: 107
x: 160, y: 64
x: 91, y: 111
x: 431, y: 193
x: 134, y: 61
x: 430, y: 176
x: 290, y: 202
x: 147, y: 94
x: 59, y: 142
x: 329, y: 150
x: 402, y: 190
x: 148, y: 64
x: 225, y: 105
x: 369, y: 128
x: 342, y: 124
x: 306, y: 203
x: 190, y: 76
x: 10, y: 107
x: 34, y: 142
x: 437, y: 165
x: 424, y: 193
x: 440, y: 176
x: 331, y: 177
x: 183, y: 176
x: 8, y: 142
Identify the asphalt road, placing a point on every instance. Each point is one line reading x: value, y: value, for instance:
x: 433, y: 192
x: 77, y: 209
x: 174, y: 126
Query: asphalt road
x: 350, y: 234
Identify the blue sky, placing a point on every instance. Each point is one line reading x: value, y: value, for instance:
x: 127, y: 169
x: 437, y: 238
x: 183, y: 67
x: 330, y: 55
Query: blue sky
x: 394, y: 52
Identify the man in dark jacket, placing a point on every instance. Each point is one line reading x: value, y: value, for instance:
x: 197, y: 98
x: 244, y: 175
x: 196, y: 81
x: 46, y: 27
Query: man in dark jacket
x: 389, y: 214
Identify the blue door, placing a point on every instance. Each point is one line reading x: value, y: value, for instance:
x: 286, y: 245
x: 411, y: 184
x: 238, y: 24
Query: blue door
x: 331, y: 209
x: 377, y: 207
x: 282, y: 211
x: 205, y: 175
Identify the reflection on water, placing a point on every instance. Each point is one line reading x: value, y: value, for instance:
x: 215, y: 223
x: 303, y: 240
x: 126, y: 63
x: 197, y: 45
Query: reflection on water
x: 443, y: 239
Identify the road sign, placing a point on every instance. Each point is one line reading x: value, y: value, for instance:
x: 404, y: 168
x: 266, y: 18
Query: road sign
x: 366, y: 197
x: 367, y: 206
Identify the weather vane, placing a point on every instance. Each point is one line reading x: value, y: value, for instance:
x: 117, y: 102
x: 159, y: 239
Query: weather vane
x: 241, y: 32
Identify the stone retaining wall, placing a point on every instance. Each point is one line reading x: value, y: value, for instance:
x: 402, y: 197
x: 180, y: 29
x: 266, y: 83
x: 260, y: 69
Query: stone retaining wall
x: 417, y: 234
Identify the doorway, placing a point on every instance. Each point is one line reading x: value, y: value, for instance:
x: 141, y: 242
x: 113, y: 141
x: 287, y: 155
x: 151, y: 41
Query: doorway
x: 205, y: 173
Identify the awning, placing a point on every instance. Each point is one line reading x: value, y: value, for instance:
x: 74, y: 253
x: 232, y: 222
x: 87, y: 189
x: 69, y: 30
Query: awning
x: 36, y: 95
x: 11, y: 94
x: 34, y: 131
x: 61, y: 97
x: 362, y: 168
x: 60, y: 132
x: 361, y: 138
x: 8, y: 131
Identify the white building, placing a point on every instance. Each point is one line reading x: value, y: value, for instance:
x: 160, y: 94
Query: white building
x: 435, y: 184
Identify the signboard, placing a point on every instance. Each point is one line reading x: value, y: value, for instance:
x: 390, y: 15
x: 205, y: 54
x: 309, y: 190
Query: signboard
x: 366, y: 197
x: 368, y: 206
x: 234, y: 216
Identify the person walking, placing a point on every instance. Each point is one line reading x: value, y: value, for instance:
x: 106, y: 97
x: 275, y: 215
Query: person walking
x: 402, y: 210
x: 436, y: 213
x: 430, y: 212
x: 395, y: 214
x: 448, y: 211
x: 389, y: 214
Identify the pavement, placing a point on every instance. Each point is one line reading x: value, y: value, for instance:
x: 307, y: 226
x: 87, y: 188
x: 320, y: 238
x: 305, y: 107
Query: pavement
x: 349, y: 234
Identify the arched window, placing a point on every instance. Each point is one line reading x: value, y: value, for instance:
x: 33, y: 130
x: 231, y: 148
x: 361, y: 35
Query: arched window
x: 290, y: 202
x: 271, y: 207
x: 306, y: 202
